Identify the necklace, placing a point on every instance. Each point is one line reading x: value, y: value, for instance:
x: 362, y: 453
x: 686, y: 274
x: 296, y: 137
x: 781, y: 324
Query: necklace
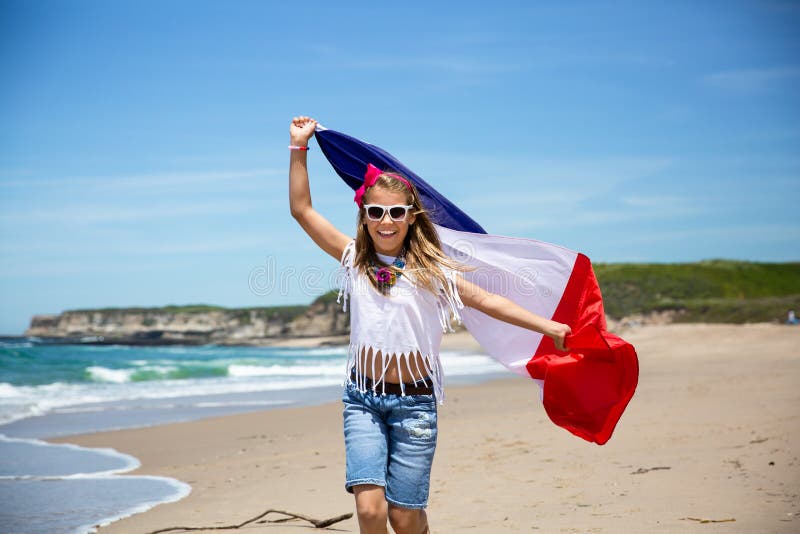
x: 387, y: 277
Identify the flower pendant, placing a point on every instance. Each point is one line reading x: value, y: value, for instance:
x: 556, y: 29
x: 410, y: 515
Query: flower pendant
x: 387, y: 277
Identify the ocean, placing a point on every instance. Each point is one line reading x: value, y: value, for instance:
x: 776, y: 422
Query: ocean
x: 49, y: 390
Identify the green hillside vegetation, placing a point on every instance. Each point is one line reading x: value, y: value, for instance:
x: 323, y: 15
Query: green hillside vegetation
x: 712, y: 291
x: 171, y: 308
x: 721, y: 291
x: 284, y: 313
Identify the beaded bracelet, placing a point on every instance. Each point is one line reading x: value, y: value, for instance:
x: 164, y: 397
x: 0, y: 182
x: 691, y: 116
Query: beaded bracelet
x: 293, y: 147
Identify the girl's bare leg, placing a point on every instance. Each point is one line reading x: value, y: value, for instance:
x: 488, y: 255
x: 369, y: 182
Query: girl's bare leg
x: 372, y: 508
x: 408, y: 521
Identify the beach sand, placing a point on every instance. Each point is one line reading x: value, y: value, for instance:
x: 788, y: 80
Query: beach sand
x: 713, y: 433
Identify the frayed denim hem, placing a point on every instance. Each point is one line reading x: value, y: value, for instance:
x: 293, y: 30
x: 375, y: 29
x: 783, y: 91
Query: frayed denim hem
x: 374, y: 481
x: 406, y: 505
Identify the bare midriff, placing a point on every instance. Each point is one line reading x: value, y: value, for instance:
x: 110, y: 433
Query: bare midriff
x: 393, y: 375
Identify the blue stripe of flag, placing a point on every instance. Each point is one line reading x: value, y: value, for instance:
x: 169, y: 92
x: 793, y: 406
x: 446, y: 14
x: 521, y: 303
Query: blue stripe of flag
x: 349, y: 158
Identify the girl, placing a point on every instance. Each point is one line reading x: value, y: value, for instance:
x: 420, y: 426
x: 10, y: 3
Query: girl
x: 403, y: 291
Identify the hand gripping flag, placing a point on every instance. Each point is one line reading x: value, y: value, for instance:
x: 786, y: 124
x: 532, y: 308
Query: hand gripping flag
x: 585, y: 389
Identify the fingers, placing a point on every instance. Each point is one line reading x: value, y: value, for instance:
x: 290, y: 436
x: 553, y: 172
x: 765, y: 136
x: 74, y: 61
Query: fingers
x: 301, y: 129
x: 302, y: 121
x: 563, y: 340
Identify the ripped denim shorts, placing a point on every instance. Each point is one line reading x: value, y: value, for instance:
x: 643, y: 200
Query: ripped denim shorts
x: 389, y: 441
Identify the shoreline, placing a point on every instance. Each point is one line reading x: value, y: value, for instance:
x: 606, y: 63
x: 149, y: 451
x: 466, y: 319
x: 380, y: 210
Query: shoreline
x: 459, y: 340
x: 712, y: 433
x: 79, y: 410
x: 36, y: 471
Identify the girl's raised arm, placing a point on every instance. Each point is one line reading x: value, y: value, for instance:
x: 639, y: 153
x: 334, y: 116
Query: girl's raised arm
x: 324, y: 234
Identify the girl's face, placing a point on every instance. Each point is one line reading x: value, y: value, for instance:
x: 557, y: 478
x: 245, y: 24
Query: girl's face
x: 387, y: 235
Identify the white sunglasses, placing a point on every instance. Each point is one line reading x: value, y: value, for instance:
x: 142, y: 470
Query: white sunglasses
x: 376, y: 212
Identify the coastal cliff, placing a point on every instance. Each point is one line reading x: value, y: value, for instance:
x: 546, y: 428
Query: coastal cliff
x: 713, y: 291
x: 193, y: 325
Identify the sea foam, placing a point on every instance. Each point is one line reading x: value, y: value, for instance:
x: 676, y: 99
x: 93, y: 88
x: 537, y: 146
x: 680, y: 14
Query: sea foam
x: 48, y: 487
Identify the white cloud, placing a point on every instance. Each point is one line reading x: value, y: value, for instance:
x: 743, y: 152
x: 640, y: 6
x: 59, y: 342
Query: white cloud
x: 112, y: 243
x: 151, y: 182
x: 773, y: 233
x: 77, y: 214
x: 457, y: 65
x: 51, y: 268
x: 659, y: 201
x: 751, y: 80
x: 492, y: 183
x: 563, y: 211
x: 440, y: 64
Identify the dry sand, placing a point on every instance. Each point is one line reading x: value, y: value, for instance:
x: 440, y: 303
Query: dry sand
x: 712, y: 433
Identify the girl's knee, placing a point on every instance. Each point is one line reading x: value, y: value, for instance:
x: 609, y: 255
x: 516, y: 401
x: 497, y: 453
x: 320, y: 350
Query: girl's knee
x: 370, y: 503
x: 408, y: 520
x: 371, y: 512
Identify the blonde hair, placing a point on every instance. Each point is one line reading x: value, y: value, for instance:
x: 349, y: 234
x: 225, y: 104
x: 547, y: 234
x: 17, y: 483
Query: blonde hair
x: 423, y: 250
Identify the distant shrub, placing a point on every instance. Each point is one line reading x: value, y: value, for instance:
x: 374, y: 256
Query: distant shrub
x: 709, y: 291
x: 717, y: 286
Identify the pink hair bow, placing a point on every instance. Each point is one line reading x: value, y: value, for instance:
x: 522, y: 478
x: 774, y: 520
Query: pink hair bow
x: 370, y: 177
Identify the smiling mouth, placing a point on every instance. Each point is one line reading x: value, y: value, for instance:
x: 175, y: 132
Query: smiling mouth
x: 386, y: 233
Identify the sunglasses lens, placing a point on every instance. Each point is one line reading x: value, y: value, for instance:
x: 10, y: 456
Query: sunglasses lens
x: 375, y: 213
x: 398, y: 214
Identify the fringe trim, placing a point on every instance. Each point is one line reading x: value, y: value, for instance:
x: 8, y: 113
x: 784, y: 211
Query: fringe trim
x: 450, y: 302
x: 345, y: 274
x: 357, y: 359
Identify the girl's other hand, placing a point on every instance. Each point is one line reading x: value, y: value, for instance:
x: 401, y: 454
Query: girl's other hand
x: 301, y: 129
x: 559, y: 335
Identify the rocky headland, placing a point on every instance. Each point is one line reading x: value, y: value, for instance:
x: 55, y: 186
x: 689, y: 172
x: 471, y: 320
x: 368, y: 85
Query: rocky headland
x: 713, y: 291
x: 195, y: 325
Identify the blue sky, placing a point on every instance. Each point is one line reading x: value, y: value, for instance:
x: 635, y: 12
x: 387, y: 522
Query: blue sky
x: 143, y: 156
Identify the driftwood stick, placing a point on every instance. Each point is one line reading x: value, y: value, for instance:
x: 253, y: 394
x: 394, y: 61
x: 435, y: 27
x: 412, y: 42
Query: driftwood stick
x: 318, y: 523
x: 701, y: 520
x: 643, y: 470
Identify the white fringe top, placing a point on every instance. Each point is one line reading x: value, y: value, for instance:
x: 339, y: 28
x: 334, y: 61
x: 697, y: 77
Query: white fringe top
x: 399, y: 325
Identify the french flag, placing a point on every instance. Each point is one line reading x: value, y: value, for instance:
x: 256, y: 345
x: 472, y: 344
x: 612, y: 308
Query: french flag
x: 584, y: 390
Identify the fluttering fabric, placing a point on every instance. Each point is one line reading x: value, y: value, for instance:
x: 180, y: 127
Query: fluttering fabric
x: 585, y: 389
